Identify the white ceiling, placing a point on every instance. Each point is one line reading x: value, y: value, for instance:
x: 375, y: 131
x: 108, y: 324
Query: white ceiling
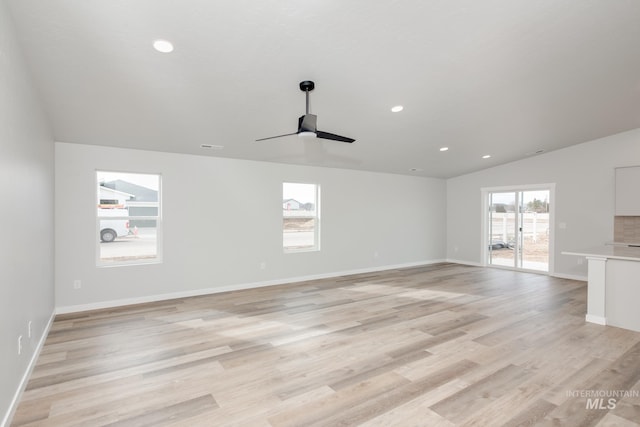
x: 498, y: 77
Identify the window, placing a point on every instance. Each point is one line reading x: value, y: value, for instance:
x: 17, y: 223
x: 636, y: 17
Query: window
x: 300, y: 217
x: 128, y: 220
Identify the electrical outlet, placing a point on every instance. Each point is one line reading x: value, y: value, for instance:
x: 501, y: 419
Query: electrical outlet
x: 19, y: 345
x: 262, y: 265
x: 29, y: 329
x: 376, y: 255
x: 580, y: 261
x: 77, y: 284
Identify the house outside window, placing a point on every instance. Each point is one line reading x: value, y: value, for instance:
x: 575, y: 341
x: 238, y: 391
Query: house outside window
x: 300, y: 217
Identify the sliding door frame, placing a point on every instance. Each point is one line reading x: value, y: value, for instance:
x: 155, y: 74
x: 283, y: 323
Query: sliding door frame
x: 484, y: 226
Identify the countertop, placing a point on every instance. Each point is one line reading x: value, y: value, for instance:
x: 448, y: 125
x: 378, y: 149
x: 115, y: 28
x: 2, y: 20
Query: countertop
x: 608, y: 251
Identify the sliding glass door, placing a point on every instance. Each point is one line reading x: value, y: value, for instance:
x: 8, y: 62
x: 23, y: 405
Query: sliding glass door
x: 534, y: 230
x: 503, y: 222
x: 518, y: 227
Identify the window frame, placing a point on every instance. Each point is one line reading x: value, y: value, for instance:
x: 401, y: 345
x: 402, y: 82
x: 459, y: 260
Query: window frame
x: 158, y: 259
x: 316, y: 217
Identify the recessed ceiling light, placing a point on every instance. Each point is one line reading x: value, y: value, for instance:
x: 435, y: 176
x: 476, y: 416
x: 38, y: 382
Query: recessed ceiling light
x: 397, y: 108
x: 163, y: 46
x: 211, y: 146
x: 486, y: 156
x: 444, y: 149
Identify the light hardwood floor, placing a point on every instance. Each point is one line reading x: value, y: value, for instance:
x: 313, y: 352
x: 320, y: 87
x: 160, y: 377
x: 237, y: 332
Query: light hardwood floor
x: 440, y: 345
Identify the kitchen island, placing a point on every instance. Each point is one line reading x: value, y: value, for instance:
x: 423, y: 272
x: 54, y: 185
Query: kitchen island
x: 613, y: 296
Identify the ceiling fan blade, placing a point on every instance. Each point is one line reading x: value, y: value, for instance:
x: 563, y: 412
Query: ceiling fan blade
x: 333, y: 137
x: 279, y: 136
x: 307, y: 123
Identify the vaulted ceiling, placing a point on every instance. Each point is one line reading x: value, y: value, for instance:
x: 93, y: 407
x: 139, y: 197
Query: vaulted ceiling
x: 505, y: 78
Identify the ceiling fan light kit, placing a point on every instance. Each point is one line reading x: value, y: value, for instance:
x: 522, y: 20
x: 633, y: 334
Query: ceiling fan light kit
x: 307, y: 128
x: 307, y: 135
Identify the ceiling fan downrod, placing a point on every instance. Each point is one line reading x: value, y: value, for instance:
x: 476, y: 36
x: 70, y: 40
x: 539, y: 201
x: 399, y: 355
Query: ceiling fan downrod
x: 307, y: 86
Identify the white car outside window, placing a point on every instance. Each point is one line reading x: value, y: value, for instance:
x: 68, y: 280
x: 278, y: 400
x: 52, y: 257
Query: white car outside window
x: 110, y: 229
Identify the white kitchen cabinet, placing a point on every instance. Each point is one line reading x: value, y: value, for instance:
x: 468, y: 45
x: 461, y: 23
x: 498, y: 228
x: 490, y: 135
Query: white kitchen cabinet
x: 628, y: 191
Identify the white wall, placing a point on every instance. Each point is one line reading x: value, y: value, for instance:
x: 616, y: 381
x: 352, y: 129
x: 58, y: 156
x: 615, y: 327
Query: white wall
x: 26, y: 194
x: 584, y: 178
x: 223, y: 217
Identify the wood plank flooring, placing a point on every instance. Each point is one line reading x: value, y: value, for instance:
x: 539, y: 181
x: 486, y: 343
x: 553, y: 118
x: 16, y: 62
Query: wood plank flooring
x: 441, y: 345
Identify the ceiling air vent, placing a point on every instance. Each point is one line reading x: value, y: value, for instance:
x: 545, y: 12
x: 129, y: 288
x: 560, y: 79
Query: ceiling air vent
x: 211, y: 147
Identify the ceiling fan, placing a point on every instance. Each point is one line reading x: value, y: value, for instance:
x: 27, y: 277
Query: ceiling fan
x: 307, y: 123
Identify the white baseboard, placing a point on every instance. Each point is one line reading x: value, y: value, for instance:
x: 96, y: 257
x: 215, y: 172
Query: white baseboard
x: 569, y: 276
x: 558, y: 275
x: 25, y: 377
x: 596, y: 319
x: 459, y: 261
x: 237, y: 287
